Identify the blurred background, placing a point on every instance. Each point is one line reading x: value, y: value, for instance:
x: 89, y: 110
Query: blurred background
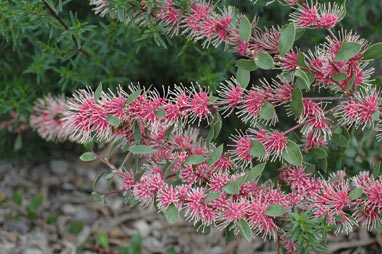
x: 38, y: 57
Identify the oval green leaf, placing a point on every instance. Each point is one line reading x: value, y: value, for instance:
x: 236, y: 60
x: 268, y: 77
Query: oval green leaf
x: 267, y: 111
x: 248, y: 65
x: 292, y: 154
x: 88, y: 156
x: 113, y: 120
x: 245, y: 229
x: 194, y: 159
x: 141, y: 149
x: 215, y: 156
x: 257, y: 149
x: 373, y: 52
x: 172, y: 214
x: 355, y: 193
x: 264, y: 61
x: 245, y: 29
x: 347, y: 50
x: 275, y: 210
x: 243, y: 77
x: 287, y: 38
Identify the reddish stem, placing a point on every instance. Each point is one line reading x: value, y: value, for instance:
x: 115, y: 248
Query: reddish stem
x: 53, y: 13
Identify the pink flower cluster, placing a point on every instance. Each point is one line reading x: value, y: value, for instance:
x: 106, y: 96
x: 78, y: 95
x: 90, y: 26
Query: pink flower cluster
x: 185, y: 171
x: 187, y: 185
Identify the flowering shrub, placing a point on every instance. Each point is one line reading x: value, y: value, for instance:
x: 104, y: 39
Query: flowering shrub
x: 181, y: 172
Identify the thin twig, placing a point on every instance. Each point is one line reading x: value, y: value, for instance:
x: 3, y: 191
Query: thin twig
x: 54, y: 14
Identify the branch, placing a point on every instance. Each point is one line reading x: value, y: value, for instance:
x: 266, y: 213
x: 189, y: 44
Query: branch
x: 53, y: 13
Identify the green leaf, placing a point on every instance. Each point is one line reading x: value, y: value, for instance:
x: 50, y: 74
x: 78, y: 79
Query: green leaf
x: 98, y: 91
x: 243, y: 77
x: 287, y: 38
x: 373, y: 52
x: 299, y: 33
x: 212, y: 99
x: 245, y: 229
x: 231, y: 188
x: 170, y: 250
x: 375, y: 116
x: 172, y: 214
x: 18, y: 142
x: 35, y: 202
x: 17, y: 197
x: 132, y: 97
x: 292, y: 154
x: 75, y: 227
x: 202, y: 229
x: 340, y: 140
x: 218, y: 125
x: 318, y: 153
x: 248, y: 65
x: 135, y: 244
x: 113, y: 120
x: 310, y: 168
x: 245, y: 29
x: 296, y: 104
x: 355, y: 193
x: 137, y: 132
x: 267, y: 111
x: 141, y: 149
x: 102, y: 240
x: 255, y: 172
x: 339, y: 218
x: 194, y: 159
x: 302, y: 80
x: 264, y: 61
x: 97, y: 197
x: 347, y: 50
x: 88, y: 156
x: 168, y: 131
x: 210, y: 137
x: 376, y: 169
x: 124, y: 250
x: 275, y: 210
x: 229, y: 235
x: 350, y: 83
x: 335, y: 179
x: 212, y: 195
x: 340, y: 76
x: 160, y: 113
x: 215, y: 156
x: 301, y: 60
x: 257, y: 149
x: 378, y: 226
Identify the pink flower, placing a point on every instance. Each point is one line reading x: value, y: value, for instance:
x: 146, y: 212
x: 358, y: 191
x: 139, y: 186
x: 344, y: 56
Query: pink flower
x: 289, y: 62
x: 230, y: 96
x: 242, y: 48
x: 235, y: 211
x: 259, y: 222
x: 241, y: 149
x: 327, y: 21
x: 330, y: 15
x: 128, y: 182
x: 306, y: 17
x: 199, y: 106
x: 252, y: 104
x: 46, y: 119
x: 167, y: 196
x: 195, y: 204
x: 275, y: 144
x: 217, y: 182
